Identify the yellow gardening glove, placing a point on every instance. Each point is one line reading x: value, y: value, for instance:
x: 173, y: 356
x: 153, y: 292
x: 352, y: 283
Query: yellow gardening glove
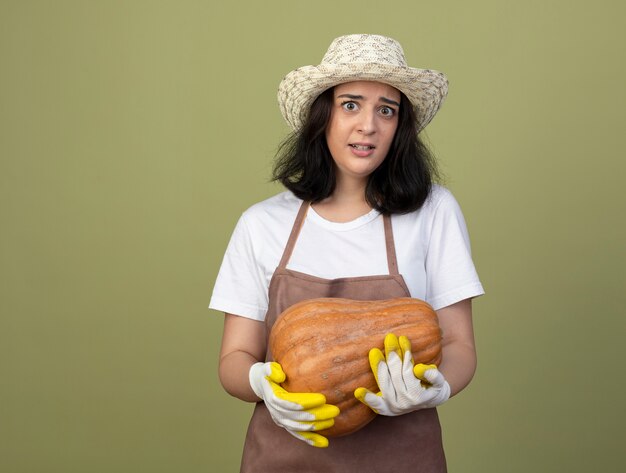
x: 301, y: 414
x: 404, y: 387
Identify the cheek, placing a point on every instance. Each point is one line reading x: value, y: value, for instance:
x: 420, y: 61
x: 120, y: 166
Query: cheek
x: 390, y: 134
x: 334, y: 132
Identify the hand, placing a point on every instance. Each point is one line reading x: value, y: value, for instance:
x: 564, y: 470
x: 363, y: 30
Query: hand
x: 404, y: 387
x: 299, y: 413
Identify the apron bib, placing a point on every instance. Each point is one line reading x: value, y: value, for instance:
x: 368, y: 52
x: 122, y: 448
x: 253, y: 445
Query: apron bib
x: 411, y: 442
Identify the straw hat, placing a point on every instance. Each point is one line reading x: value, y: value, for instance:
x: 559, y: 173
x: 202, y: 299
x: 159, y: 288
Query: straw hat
x: 362, y: 57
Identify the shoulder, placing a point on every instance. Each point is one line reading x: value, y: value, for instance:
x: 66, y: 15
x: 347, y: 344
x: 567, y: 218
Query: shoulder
x: 439, y: 200
x: 278, y: 208
x: 270, y: 219
x: 441, y: 205
x: 439, y: 196
x: 440, y: 211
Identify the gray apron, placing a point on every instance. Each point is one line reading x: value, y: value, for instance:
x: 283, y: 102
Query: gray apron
x: 407, y: 443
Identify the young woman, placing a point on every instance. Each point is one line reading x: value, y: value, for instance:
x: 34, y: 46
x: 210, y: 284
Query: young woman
x: 361, y: 219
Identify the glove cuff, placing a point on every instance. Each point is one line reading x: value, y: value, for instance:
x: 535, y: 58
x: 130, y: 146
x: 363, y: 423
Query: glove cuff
x: 255, y: 377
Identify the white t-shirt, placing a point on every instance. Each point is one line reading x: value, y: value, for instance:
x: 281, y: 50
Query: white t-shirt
x: 432, y: 249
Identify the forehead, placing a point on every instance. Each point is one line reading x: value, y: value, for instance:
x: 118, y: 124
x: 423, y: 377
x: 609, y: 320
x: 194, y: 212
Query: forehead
x: 368, y: 89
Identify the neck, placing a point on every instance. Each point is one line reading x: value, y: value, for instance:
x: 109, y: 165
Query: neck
x: 349, y: 189
x: 346, y: 203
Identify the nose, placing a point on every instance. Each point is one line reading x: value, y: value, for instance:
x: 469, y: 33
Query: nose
x: 367, y: 123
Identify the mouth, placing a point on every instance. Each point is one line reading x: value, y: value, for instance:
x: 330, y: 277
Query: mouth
x: 362, y: 147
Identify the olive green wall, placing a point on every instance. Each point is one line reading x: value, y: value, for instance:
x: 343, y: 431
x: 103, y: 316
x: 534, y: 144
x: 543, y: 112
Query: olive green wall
x: 134, y: 133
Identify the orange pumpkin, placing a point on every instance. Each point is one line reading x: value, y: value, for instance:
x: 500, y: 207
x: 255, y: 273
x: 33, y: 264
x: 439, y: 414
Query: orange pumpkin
x: 323, y: 345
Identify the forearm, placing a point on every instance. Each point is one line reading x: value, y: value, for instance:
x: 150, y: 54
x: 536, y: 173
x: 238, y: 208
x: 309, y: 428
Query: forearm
x: 459, y: 351
x: 233, y: 371
x: 458, y: 366
x: 243, y: 344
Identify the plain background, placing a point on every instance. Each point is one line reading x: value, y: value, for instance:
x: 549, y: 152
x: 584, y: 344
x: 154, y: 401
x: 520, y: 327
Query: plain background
x: 134, y: 133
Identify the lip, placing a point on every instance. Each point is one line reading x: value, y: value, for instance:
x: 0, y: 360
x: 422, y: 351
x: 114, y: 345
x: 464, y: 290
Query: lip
x: 362, y: 149
x: 362, y: 143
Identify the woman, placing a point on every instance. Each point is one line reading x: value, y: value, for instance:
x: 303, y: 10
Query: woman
x: 362, y: 219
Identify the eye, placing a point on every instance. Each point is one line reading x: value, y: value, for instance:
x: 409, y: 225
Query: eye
x: 387, y: 111
x: 349, y: 106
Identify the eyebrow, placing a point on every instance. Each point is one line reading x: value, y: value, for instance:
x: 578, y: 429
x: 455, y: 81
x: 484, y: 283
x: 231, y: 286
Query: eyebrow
x: 360, y: 97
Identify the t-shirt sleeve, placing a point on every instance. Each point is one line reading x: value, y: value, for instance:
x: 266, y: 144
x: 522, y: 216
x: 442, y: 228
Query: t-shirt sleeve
x: 240, y: 286
x: 450, y: 272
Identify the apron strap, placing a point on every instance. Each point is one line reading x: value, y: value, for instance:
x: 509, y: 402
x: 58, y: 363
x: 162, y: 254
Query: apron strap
x: 293, y: 236
x: 392, y: 261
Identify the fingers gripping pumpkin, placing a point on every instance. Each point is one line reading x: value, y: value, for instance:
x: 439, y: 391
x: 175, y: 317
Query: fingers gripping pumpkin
x: 323, y: 345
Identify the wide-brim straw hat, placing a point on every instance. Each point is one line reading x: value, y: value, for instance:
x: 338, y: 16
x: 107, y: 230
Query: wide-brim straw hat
x: 362, y: 57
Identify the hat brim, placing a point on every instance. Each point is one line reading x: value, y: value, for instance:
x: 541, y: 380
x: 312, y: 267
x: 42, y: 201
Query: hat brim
x: 426, y: 89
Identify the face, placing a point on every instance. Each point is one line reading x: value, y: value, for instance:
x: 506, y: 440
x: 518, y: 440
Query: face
x: 363, y: 121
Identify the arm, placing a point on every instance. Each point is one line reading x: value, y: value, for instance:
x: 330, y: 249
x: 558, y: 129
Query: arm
x: 243, y: 344
x: 405, y: 387
x: 242, y: 366
x: 459, y: 351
